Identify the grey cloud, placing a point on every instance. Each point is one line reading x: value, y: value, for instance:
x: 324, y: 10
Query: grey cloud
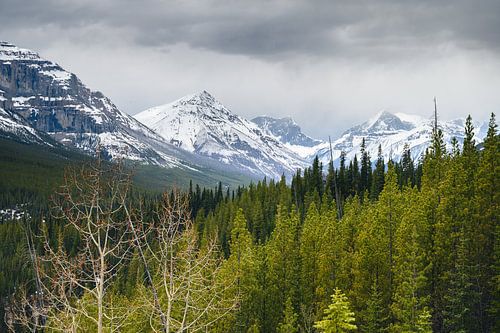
x: 272, y: 30
x: 321, y: 62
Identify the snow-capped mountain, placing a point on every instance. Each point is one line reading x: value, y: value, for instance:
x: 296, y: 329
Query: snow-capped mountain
x: 39, y: 94
x: 41, y: 102
x: 289, y: 133
x: 392, y: 132
x: 200, y: 124
x: 286, y: 130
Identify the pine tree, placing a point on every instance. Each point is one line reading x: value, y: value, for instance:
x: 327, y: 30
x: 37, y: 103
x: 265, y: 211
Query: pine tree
x: 365, y: 172
x: 375, y: 321
x: 409, y: 279
x: 378, y: 176
x: 348, y: 233
x: 309, y: 255
x: 486, y: 229
x: 424, y: 324
x: 289, y: 323
x: 241, y: 267
x: 338, y: 316
x: 329, y: 256
x: 436, y: 256
x: 390, y: 212
x: 282, y: 252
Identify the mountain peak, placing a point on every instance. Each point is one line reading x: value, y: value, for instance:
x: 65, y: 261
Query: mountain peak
x: 384, y: 121
x: 9, y: 51
x: 200, y: 124
x: 202, y: 94
x: 286, y: 130
x: 201, y: 99
x: 380, y: 116
x: 48, y: 99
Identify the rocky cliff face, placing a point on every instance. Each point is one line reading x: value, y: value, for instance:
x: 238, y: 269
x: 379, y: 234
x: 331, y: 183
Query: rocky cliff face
x: 56, y: 102
x: 286, y: 130
x: 50, y: 98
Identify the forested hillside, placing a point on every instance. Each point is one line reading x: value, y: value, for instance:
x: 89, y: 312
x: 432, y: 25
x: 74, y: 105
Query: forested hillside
x: 407, y: 246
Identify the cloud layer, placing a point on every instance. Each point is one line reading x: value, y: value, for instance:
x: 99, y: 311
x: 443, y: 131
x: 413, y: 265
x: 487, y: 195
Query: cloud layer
x: 322, y: 62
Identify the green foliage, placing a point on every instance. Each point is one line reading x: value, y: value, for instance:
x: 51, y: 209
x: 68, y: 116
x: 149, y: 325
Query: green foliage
x: 424, y: 324
x: 338, y: 316
x: 289, y: 323
x: 375, y: 321
x: 282, y: 255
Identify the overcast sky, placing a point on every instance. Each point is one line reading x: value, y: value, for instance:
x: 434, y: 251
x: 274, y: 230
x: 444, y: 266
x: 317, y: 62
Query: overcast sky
x: 327, y: 64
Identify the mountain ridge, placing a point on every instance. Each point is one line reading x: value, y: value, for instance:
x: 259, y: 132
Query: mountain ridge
x: 199, y: 123
x: 41, y: 102
x: 392, y: 131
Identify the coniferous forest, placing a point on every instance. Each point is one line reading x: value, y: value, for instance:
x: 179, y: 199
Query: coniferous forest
x: 370, y: 246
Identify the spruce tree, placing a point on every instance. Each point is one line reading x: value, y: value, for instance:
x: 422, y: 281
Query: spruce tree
x: 486, y: 229
x: 409, y: 279
x: 355, y: 178
x: 365, y: 172
x: 317, y: 176
x: 378, y: 175
x: 309, y: 256
x: 289, y: 323
x: 407, y: 167
x: 375, y: 320
x: 342, y: 181
x: 338, y: 317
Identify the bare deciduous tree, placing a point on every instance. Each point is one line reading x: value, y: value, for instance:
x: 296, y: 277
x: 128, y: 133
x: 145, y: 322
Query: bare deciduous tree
x: 186, y: 278
x: 72, y: 289
x: 184, y: 290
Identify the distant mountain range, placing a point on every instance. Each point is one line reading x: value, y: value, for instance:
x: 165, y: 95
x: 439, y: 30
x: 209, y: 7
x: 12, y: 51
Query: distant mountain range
x: 392, y: 132
x: 41, y: 103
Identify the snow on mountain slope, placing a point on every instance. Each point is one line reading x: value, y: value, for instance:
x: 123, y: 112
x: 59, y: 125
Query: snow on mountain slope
x: 13, y: 126
x: 286, y: 130
x: 51, y: 100
x: 392, y: 132
x: 200, y: 124
x: 290, y: 134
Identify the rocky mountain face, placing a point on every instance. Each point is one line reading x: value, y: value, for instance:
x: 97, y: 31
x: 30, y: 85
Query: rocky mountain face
x: 13, y: 126
x: 286, y: 130
x: 202, y: 125
x: 42, y: 95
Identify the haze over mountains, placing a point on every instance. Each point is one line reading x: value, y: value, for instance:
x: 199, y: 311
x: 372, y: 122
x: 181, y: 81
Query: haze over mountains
x: 42, y: 103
